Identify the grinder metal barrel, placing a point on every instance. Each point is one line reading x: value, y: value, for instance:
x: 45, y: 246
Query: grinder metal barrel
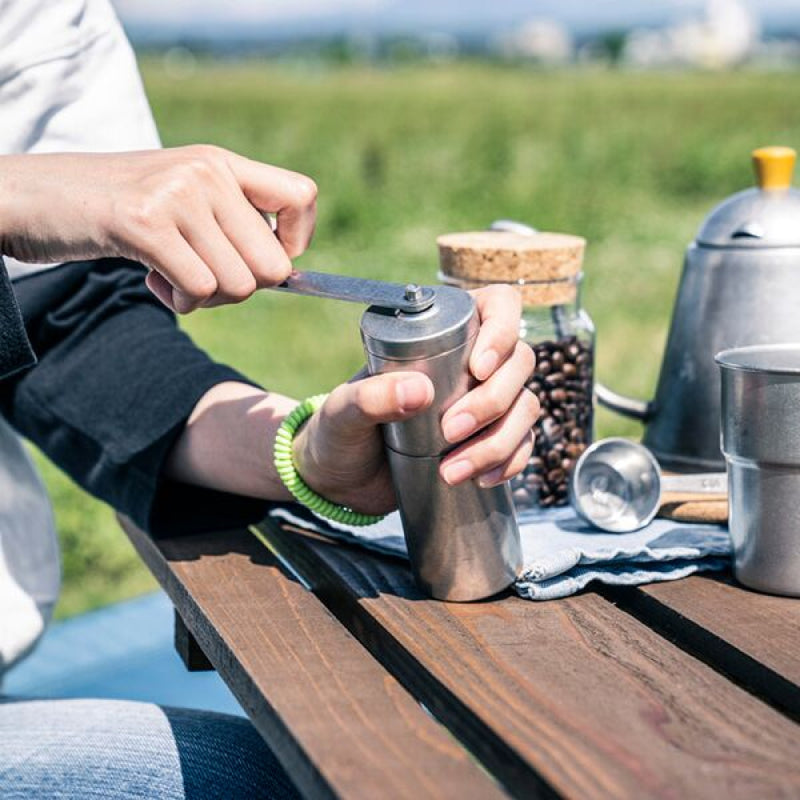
x: 463, y: 541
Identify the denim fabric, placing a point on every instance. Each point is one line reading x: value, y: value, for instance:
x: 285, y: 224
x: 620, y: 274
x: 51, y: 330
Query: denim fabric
x: 115, y: 749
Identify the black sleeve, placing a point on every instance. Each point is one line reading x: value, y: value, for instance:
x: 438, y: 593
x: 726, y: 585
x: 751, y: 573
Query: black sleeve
x: 15, y: 349
x: 115, y: 382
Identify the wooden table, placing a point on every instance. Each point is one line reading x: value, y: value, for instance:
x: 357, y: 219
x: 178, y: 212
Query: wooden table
x: 366, y: 689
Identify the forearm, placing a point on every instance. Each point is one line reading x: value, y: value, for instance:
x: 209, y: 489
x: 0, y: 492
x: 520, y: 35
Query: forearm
x: 193, y: 215
x: 111, y: 394
x: 40, y: 220
x: 227, y: 442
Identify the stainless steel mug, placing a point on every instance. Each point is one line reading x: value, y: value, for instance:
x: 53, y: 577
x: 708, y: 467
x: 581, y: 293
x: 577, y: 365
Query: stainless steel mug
x: 463, y: 541
x: 761, y: 444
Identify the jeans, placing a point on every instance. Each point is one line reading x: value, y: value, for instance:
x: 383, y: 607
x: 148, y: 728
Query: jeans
x: 114, y: 749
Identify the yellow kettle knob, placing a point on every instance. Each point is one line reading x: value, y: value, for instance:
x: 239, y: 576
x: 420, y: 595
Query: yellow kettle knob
x: 774, y: 167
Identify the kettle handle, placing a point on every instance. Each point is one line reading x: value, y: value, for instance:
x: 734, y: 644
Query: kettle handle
x: 626, y: 406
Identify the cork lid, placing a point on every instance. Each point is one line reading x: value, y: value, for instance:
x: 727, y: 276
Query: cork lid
x: 543, y: 265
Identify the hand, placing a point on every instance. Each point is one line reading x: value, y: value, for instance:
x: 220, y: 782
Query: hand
x: 191, y: 214
x: 340, y: 452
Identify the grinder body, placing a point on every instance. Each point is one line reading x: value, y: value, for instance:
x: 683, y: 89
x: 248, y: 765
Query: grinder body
x: 463, y: 541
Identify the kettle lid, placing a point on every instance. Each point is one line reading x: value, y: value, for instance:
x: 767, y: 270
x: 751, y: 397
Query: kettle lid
x: 765, y: 216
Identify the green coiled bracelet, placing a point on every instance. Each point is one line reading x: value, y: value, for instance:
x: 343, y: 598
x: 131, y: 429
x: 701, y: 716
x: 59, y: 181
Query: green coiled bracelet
x: 284, y: 464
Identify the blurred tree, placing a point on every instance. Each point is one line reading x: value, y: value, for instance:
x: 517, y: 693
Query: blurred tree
x: 611, y: 45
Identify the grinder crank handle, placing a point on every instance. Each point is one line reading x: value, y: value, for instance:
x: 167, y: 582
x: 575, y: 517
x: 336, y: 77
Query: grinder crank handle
x: 409, y: 298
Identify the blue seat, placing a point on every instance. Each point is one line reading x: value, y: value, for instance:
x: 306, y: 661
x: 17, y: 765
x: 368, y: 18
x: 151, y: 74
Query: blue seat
x: 124, y: 651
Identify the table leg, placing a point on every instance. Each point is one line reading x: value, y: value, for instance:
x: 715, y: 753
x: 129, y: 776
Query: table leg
x: 188, y: 649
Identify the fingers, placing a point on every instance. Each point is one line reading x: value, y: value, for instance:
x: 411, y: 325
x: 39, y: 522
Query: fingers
x: 235, y: 281
x: 500, y: 309
x: 509, y: 468
x: 238, y: 250
x: 359, y: 406
x: 193, y: 215
x: 251, y: 236
x: 500, y: 449
x: 292, y: 197
x: 161, y: 288
x: 181, y: 278
x: 490, y: 399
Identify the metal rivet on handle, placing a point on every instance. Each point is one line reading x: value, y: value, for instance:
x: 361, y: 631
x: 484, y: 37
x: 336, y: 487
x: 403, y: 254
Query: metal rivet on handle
x: 413, y: 292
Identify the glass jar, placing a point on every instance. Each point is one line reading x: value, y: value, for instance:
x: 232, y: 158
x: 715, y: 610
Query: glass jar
x: 563, y: 340
x: 546, y: 269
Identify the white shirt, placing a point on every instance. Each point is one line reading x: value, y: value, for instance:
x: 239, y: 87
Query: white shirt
x: 68, y: 82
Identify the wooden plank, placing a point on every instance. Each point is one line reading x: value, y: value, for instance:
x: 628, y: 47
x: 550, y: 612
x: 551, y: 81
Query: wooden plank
x: 338, y: 722
x: 574, y: 695
x: 194, y: 659
x: 754, y: 638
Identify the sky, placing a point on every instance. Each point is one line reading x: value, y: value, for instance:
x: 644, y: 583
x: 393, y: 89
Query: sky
x: 284, y: 17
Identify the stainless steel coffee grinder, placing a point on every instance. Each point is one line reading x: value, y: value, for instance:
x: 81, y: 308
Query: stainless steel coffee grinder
x: 463, y: 541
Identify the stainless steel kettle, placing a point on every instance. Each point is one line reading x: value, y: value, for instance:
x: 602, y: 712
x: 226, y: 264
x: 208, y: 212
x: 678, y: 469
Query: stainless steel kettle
x: 740, y: 286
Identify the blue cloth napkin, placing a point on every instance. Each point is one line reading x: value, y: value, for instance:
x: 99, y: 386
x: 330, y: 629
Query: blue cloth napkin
x: 562, y: 554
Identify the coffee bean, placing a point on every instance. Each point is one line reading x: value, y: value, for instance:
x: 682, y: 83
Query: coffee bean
x: 574, y: 451
x: 572, y: 351
x: 533, y: 482
x: 520, y: 498
x: 572, y: 415
x: 554, y: 380
x: 562, y: 382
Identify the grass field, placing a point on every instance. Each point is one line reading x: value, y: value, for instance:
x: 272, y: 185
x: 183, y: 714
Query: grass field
x: 631, y: 161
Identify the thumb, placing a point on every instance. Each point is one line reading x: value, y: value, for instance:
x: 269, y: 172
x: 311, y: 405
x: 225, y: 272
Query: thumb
x: 361, y: 405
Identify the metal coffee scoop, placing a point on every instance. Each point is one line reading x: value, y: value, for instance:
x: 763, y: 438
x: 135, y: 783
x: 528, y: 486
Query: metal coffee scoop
x: 463, y: 541
x: 616, y: 485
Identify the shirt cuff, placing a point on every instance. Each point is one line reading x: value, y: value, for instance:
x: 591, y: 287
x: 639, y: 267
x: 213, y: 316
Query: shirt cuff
x: 16, y: 353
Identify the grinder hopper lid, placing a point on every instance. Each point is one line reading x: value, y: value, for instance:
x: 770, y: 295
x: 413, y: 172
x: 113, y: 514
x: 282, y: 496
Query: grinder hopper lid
x: 447, y: 324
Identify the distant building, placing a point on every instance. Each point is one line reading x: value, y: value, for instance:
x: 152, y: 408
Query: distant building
x: 726, y: 35
x: 778, y: 53
x: 541, y: 40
